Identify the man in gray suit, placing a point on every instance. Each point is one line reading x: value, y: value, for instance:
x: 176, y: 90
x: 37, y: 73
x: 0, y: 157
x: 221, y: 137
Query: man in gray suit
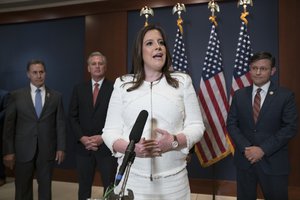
x: 34, y: 134
x: 261, y: 121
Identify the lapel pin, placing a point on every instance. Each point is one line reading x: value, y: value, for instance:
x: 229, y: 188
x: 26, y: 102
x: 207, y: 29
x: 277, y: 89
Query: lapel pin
x: 48, y: 95
x: 271, y: 92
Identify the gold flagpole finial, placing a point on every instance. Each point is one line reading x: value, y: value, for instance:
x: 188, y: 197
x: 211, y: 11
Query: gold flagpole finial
x: 214, y: 7
x: 147, y: 12
x: 244, y: 14
x: 179, y: 8
x: 244, y: 3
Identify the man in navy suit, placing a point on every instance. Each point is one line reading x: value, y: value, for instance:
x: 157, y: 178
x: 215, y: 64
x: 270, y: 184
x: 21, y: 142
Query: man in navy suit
x: 33, y: 139
x: 3, y: 104
x: 88, y: 109
x: 261, y: 141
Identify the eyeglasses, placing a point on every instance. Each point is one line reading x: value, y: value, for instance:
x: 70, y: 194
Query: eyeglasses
x: 262, y: 69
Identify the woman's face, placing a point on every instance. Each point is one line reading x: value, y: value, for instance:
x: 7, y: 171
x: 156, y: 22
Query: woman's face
x: 154, y: 51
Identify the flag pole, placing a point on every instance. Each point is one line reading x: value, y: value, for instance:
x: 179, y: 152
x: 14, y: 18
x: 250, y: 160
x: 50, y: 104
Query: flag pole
x: 146, y: 11
x: 244, y: 14
x: 179, y: 8
x: 179, y: 57
x: 214, y: 7
x: 241, y: 77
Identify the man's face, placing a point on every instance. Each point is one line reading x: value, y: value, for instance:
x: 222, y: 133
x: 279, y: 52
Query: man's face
x: 261, y: 71
x: 37, y: 75
x: 97, y: 67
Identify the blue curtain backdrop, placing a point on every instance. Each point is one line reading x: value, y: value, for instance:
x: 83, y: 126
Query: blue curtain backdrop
x: 263, y: 31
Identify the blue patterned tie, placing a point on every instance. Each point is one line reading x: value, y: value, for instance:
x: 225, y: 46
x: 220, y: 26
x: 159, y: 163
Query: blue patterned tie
x: 38, y: 102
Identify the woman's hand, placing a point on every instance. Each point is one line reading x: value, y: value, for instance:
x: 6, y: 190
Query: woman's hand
x: 164, y: 140
x: 147, y: 148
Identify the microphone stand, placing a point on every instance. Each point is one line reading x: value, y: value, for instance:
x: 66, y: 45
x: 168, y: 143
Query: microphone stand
x: 121, y: 195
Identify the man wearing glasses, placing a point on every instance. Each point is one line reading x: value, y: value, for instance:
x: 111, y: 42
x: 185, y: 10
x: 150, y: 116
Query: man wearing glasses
x: 261, y: 121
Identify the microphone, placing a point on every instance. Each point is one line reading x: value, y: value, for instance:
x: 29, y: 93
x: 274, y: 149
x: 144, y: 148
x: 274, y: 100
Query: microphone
x: 134, y: 137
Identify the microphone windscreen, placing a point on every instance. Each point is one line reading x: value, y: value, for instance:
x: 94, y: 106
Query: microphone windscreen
x: 138, y: 127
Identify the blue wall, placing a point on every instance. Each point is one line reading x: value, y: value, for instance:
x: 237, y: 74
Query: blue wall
x: 263, y: 30
x: 60, y: 43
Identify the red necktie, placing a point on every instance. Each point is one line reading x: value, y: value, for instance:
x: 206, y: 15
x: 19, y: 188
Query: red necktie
x: 256, y: 104
x: 95, y: 93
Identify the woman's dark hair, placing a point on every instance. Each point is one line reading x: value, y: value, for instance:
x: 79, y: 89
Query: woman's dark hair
x: 138, y: 63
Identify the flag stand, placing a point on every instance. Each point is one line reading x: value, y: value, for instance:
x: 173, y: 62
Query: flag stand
x: 214, y: 183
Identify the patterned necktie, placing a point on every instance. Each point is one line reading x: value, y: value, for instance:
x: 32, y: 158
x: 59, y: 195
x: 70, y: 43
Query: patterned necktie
x: 95, y: 93
x: 256, y: 104
x: 38, y: 102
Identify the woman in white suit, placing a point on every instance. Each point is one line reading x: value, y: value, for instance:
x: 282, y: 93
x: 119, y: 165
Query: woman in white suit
x: 173, y: 126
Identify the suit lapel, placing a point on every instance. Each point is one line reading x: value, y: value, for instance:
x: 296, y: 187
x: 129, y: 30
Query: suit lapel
x: 102, y: 92
x: 249, y: 106
x: 272, y: 92
x: 48, y: 96
x: 88, y: 94
x: 28, y: 100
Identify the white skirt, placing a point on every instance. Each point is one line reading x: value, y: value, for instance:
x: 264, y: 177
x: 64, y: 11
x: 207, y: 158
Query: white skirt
x: 175, y: 187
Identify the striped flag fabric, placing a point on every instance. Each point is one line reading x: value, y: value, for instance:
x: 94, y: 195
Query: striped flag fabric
x: 215, y: 143
x: 241, y: 76
x: 179, y: 58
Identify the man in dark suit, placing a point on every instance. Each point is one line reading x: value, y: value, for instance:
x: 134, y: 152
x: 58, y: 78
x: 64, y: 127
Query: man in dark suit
x: 3, y: 104
x: 88, y: 109
x: 261, y: 121
x: 34, y: 134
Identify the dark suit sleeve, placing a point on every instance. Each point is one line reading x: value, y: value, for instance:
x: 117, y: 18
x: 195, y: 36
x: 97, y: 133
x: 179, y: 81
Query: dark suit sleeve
x: 74, y: 114
x: 288, y: 126
x: 233, y: 125
x: 9, y: 127
x: 60, y: 126
x: 3, y: 105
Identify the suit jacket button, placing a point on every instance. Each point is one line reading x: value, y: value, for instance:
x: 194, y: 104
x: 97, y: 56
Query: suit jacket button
x: 254, y: 130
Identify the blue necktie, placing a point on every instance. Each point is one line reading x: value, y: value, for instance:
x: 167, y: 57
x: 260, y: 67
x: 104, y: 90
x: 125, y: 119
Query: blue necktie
x: 38, y: 102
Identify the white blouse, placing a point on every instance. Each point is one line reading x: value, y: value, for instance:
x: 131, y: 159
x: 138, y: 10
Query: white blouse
x: 176, y: 110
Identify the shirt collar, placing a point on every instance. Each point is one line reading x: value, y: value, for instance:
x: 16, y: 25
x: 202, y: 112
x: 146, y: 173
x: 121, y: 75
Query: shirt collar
x: 99, y: 82
x: 33, y: 88
x: 264, y: 88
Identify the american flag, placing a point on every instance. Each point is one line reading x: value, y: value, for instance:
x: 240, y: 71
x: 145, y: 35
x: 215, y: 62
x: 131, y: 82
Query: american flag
x: 179, y: 58
x: 215, y: 143
x: 241, y: 76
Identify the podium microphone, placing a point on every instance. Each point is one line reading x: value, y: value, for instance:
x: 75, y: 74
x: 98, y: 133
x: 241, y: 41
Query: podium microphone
x: 134, y: 137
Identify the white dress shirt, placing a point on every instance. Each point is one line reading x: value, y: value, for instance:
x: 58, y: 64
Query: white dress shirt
x: 33, y: 93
